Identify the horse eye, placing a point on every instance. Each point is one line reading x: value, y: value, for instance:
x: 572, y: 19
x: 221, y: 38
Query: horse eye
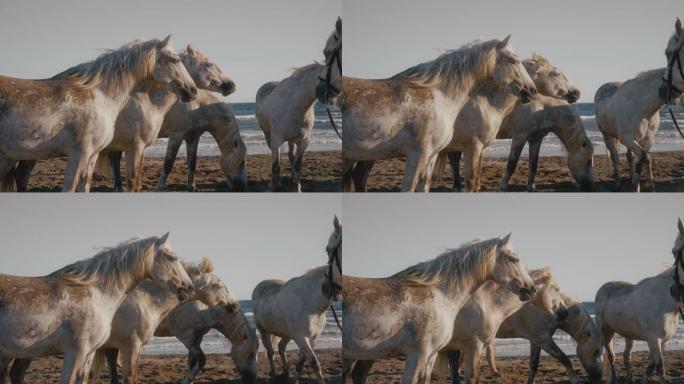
x: 171, y: 257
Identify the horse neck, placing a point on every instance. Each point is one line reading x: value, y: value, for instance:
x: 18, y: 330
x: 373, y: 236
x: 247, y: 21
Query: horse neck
x: 505, y: 302
x: 303, y: 96
x: 161, y: 99
x: 577, y: 321
x: 222, y: 127
x: 317, y: 300
x: 159, y: 299
x: 232, y: 325
x: 571, y: 135
x: 648, y: 91
x: 503, y: 101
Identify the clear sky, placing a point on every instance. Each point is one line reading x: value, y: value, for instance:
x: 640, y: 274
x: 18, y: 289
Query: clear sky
x: 587, y: 240
x: 250, y: 237
x: 592, y: 42
x: 253, y: 41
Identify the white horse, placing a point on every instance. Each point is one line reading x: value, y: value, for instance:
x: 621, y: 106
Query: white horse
x: 531, y: 122
x: 140, y: 121
x: 190, y: 321
x: 412, y: 313
x: 539, y: 327
x: 69, y: 312
x: 330, y: 80
x: 477, y: 322
x: 139, y: 315
x: 295, y: 310
x: 189, y: 121
x: 643, y: 311
x: 73, y: 113
x: 412, y: 114
x: 285, y: 109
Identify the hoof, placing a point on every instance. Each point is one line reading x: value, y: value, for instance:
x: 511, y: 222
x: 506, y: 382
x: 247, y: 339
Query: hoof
x: 532, y: 188
x: 192, y: 188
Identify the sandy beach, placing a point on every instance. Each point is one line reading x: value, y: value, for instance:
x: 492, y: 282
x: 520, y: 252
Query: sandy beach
x: 515, y: 370
x: 321, y: 173
x: 552, y: 174
x: 218, y: 370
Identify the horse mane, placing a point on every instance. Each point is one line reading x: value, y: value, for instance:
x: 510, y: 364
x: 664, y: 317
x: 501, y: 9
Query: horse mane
x: 542, y: 62
x: 114, y: 69
x: 298, y: 71
x: 453, y: 67
x: 453, y: 266
x: 131, y: 257
x: 541, y: 276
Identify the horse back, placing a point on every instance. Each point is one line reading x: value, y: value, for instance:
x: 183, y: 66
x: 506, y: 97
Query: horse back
x: 267, y: 288
x: 23, y: 92
x: 605, y: 91
x: 360, y: 93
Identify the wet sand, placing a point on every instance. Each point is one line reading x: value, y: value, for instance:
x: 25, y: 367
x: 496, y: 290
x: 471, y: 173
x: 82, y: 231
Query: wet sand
x: 552, y: 174
x: 219, y: 369
x: 320, y: 173
x: 515, y: 370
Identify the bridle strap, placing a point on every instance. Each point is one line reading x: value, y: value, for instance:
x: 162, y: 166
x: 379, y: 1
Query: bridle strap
x: 678, y: 292
x: 332, y: 285
x: 329, y: 87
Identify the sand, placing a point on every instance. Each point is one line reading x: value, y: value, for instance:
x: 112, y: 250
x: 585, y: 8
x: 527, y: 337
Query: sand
x: 552, y: 174
x: 218, y: 370
x: 515, y: 370
x: 320, y: 173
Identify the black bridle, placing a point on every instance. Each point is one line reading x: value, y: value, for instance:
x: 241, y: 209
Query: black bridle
x: 677, y: 289
x: 333, y: 289
x: 671, y: 91
x: 331, y: 91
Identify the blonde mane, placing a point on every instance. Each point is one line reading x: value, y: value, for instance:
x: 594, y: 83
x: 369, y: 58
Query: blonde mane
x: 298, y: 71
x: 475, y: 60
x: 115, y: 70
x: 111, y: 266
x: 469, y: 263
x: 543, y: 64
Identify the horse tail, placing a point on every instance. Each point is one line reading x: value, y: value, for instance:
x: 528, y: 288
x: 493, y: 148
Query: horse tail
x: 98, y: 363
x: 8, y: 184
x: 440, y: 163
x: 441, y: 368
x: 103, y: 166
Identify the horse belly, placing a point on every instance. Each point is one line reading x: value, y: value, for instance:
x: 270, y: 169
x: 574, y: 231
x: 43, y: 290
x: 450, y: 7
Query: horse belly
x: 33, y: 136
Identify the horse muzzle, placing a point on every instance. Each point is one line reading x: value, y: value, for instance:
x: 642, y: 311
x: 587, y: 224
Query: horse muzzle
x: 227, y: 88
x: 231, y: 307
x: 525, y: 293
x: 561, y: 313
x: 572, y: 96
x: 248, y: 376
x: 238, y: 182
x: 595, y: 372
x: 527, y: 94
x: 185, y: 293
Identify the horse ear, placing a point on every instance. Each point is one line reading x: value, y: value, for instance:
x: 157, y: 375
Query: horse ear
x: 503, y: 43
x: 165, y: 42
x: 206, y: 265
x: 680, y: 226
x: 504, y: 240
x: 163, y: 239
x: 678, y: 27
x: 337, y: 225
x: 338, y: 25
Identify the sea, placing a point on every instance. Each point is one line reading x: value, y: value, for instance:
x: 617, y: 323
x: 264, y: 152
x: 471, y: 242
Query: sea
x: 323, y: 136
x: 214, y: 342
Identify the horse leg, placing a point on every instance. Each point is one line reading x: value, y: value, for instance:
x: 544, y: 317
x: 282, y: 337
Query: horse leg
x: 654, y: 346
x: 632, y: 168
x: 360, y: 175
x: 172, y: 148
x: 650, y: 184
x: 276, y: 183
x: 347, y: 365
x: 307, y: 352
x: 612, y: 146
x: 198, y: 359
x: 454, y: 357
x: 129, y: 361
x: 114, y: 159
x: 4, y: 363
x: 18, y: 371
x: 84, y: 373
x: 626, y: 358
x: 472, y: 356
x: 608, y: 343
x: 75, y: 166
x: 426, y: 177
x: 348, y: 175
x: 415, y: 164
x: 298, y: 161
x: 268, y: 344
x: 282, y: 347
x: 22, y: 173
x: 549, y: 346
x: 534, y: 147
x: 413, y: 367
x: 191, y: 144
x: 636, y: 169
x: 361, y: 370
x: 472, y: 167
x: 491, y: 357
x: 535, y: 352
x: 291, y: 152
x: 112, y: 355
x: 71, y: 364
x: 134, y: 155
x: 455, y: 161
x: 87, y: 176
x: 517, y: 146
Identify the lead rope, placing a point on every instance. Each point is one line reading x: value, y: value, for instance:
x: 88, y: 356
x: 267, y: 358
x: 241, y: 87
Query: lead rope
x: 336, y: 260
